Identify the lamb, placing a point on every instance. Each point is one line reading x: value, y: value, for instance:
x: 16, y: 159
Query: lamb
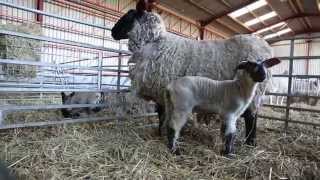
x: 229, y: 99
x: 81, y: 98
x: 161, y: 57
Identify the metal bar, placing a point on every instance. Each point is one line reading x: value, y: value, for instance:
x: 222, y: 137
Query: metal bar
x: 60, y: 122
x: 297, y: 76
x: 289, y: 84
x: 50, y: 85
x: 291, y: 121
x: 99, y: 79
x: 292, y: 108
x: 274, y: 106
x: 29, y: 90
x: 50, y: 15
x: 47, y: 107
x: 41, y: 64
x: 39, y: 17
x: 292, y: 95
x: 298, y: 57
x: 59, y: 41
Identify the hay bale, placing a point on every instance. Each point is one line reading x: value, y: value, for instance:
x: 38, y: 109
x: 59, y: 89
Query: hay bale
x: 12, y: 47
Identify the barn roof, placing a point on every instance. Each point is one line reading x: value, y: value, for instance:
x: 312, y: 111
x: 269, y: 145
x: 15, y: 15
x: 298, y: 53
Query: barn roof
x: 270, y: 19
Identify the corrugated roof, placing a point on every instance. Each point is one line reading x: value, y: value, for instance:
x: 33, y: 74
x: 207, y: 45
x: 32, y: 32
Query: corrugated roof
x: 295, y: 16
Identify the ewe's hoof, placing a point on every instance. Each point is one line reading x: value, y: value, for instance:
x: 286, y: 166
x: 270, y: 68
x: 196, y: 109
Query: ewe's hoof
x: 251, y: 143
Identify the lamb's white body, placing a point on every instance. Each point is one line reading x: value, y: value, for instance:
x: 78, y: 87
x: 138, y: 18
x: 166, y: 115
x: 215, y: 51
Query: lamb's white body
x: 228, y: 98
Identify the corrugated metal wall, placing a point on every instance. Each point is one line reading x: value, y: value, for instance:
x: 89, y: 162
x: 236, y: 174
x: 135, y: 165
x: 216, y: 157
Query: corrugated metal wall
x: 301, y: 48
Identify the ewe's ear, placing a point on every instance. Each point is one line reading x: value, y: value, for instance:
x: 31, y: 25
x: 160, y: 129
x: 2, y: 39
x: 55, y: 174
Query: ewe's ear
x: 271, y: 62
x: 72, y: 94
x: 145, y: 5
x: 242, y: 65
x: 141, y: 7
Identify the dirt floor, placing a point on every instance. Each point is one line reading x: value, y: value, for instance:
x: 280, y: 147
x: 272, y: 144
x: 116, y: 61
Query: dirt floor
x: 131, y: 150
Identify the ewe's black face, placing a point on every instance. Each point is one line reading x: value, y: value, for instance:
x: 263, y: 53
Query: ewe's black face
x: 124, y: 25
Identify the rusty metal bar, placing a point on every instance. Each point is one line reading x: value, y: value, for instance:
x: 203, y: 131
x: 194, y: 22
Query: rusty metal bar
x: 298, y: 57
x: 50, y: 15
x: 39, y: 17
x: 291, y: 121
x: 289, y: 84
x: 69, y: 121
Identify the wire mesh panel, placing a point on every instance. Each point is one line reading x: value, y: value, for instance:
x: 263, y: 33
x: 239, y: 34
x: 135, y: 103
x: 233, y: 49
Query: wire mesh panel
x: 66, y: 47
x: 295, y: 88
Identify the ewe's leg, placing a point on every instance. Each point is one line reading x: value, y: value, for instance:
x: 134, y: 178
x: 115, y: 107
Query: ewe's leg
x: 161, y: 115
x: 175, y: 123
x: 229, y: 134
x: 251, y: 126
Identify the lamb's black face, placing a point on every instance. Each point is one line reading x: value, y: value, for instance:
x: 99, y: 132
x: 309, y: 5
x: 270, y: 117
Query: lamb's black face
x: 258, y: 70
x: 124, y: 25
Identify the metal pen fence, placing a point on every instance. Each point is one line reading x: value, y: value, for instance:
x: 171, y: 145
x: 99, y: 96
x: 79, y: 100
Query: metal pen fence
x: 296, y: 82
x: 74, y: 52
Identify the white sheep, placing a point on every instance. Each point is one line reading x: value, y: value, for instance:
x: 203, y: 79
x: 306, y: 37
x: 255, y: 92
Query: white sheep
x: 161, y: 57
x: 229, y: 99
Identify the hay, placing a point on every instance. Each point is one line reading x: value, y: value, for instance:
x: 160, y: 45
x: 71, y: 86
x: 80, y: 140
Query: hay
x: 123, y: 105
x: 132, y: 151
x: 19, y: 48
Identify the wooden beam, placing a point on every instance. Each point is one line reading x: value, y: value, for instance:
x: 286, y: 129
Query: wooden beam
x: 219, y: 15
x: 301, y: 15
x: 296, y: 10
x: 285, y: 37
x: 301, y: 9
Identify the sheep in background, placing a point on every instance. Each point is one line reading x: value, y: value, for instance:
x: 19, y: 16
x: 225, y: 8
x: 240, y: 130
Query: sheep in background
x: 229, y: 99
x: 81, y: 98
x: 161, y: 57
x: 299, y: 87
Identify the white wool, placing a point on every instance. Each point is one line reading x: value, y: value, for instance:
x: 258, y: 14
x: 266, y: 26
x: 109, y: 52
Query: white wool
x: 228, y: 98
x: 161, y: 57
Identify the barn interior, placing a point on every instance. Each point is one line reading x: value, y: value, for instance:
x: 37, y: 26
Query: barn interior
x: 53, y: 46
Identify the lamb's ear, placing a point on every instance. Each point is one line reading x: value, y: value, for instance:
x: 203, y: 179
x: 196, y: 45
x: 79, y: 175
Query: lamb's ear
x: 271, y: 62
x: 242, y: 65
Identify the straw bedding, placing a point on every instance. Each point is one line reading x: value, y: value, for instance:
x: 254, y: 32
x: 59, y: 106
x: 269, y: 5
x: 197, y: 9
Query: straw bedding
x: 130, y: 150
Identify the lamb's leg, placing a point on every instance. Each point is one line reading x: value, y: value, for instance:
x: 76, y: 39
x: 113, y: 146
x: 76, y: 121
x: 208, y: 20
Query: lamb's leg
x: 270, y: 100
x: 161, y: 116
x: 229, y: 129
x: 251, y: 126
x: 175, y: 123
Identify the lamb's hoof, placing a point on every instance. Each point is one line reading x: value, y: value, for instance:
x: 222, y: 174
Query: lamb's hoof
x: 176, y: 151
x: 230, y: 156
